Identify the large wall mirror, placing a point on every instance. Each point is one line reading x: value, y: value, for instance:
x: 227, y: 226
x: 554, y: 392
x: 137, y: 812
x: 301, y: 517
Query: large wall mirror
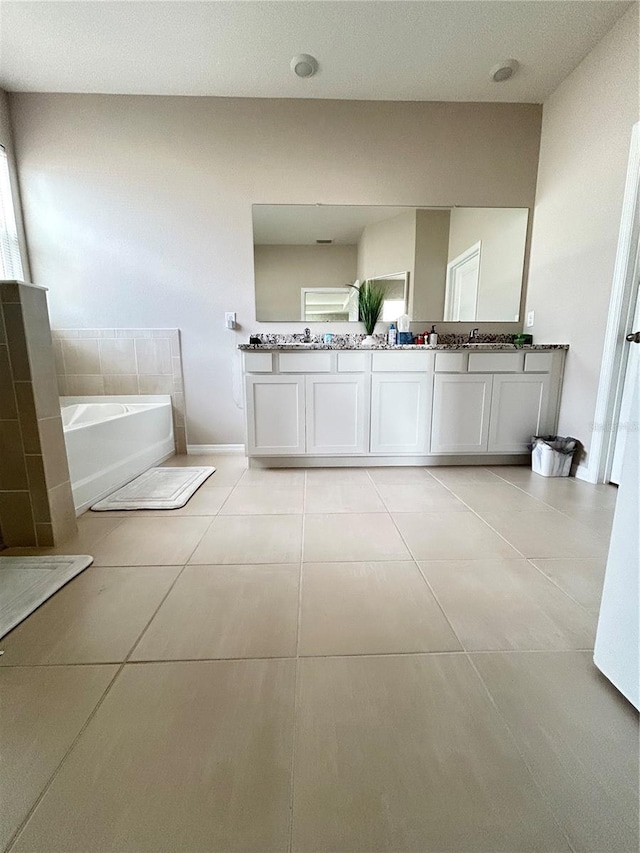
x: 449, y: 264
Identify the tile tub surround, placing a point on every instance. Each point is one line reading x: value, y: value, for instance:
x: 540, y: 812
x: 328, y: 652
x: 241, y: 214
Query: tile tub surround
x: 36, y: 505
x: 262, y: 691
x: 93, y: 362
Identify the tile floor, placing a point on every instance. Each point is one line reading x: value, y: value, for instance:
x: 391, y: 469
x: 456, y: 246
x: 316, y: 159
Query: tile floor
x: 388, y: 660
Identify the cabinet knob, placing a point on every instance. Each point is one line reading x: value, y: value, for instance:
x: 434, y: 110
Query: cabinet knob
x: 634, y: 338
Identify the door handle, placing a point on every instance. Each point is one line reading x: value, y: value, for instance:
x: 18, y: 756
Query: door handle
x: 633, y: 338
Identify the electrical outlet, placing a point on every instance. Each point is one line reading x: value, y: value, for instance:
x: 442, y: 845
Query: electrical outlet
x: 531, y: 316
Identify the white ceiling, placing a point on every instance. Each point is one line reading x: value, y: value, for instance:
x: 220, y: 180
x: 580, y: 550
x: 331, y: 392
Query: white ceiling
x: 438, y: 50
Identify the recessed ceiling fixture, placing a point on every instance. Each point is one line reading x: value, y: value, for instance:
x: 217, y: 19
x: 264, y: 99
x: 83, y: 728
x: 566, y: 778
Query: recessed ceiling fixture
x: 503, y: 70
x: 304, y: 65
x: 324, y: 241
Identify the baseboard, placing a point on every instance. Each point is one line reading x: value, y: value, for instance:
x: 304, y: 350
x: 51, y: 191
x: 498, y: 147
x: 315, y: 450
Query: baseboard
x: 583, y: 473
x: 220, y: 449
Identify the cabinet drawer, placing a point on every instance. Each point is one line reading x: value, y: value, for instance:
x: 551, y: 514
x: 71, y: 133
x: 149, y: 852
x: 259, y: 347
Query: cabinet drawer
x: 304, y: 362
x: 409, y: 361
x: 538, y: 362
x: 451, y: 362
x: 353, y: 362
x: 495, y: 362
x: 258, y: 362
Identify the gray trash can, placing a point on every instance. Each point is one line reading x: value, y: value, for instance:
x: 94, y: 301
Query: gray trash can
x: 551, y: 455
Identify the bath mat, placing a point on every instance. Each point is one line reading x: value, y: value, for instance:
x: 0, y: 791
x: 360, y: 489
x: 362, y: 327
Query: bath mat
x: 157, y: 488
x: 26, y: 582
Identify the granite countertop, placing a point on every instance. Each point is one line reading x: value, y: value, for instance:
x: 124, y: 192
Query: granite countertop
x: 482, y: 347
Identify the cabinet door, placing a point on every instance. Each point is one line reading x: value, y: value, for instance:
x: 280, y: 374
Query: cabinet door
x: 400, y: 410
x: 275, y: 415
x: 337, y: 414
x: 460, y: 422
x: 519, y: 409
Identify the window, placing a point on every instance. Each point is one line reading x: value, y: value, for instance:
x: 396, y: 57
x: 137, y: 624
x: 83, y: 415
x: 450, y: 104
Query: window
x: 10, y: 262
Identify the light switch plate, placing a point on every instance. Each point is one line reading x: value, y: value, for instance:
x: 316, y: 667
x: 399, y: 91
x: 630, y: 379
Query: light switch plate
x: 531, y: 315
x: 230, y: 319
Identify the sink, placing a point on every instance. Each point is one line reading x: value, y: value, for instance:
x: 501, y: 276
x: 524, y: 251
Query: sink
x: 296, y: 344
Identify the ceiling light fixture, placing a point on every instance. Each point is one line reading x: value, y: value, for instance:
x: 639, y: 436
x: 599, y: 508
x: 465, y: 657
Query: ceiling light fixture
x: 304, y: 65
x: 503, y: 70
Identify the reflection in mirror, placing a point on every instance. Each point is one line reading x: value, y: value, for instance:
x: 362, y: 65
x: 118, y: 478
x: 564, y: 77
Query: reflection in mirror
x: 462, y: 264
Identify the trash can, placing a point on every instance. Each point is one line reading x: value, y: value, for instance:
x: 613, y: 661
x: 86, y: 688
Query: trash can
x: 551, y: 455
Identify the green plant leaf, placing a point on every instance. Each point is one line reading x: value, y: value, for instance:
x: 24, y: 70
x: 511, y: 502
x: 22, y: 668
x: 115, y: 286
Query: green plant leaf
x: 370, y: 301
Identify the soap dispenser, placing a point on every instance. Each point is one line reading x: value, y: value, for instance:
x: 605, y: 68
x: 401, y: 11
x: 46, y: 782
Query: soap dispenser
x: 433, y: 336
x: 392, y: 335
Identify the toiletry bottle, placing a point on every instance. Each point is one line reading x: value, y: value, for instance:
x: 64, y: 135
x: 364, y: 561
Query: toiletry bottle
x: 433, y: 337
x: 392, y: 335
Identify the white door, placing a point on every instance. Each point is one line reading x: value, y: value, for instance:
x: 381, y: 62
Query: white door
x: 625, y: 416
x: 519, y: 409
x: 275, y: 415
x: 461, y: 292
x: 400, y: 412
x: 617, y: 639
x: 460, y: 421
x: 337, y: 416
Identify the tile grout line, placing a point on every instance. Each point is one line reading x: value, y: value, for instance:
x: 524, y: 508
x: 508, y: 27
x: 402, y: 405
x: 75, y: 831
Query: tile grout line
x: 91, y: 716
x: 548, y: 803
x: 530, y: 560
x: 296, y: 684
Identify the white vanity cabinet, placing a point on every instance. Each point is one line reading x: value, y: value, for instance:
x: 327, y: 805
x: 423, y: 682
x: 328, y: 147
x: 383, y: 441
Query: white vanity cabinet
x: 443, y: 406
x: 275, y: 415
x: 461, y: 407
x: 337, y: 414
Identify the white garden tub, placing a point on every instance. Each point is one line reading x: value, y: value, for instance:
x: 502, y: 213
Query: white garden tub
x: 111, y: 440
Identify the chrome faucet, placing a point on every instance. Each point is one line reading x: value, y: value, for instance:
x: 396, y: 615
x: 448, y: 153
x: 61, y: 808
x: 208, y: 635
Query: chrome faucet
x: 307, y: 336
x: 473, y: 335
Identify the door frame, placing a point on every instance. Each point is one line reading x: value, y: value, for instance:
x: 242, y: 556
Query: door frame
x: 621, y: 311
x: 452, y: 268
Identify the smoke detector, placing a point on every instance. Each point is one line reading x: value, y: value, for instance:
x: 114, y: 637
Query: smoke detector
x: 304, y: 65
x: 503, y: 70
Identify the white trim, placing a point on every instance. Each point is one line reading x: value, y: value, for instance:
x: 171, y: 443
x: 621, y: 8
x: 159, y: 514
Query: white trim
x: 452, y: 266
x: 582, y: 473
x: 620, y: 314
x: 220, y: 449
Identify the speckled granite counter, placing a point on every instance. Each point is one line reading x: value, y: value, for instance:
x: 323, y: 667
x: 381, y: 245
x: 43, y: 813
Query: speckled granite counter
x: 497, y: 346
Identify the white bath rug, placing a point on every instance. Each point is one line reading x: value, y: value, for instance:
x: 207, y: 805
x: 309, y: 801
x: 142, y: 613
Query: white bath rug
x: 26, y: 582
x: 157, y: 488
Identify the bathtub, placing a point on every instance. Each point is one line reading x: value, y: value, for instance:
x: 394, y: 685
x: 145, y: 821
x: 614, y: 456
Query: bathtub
x: 110, y: 440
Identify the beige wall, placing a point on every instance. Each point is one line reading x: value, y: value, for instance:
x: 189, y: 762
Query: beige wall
x: 503, y: 234
x: 388, y: 247
x: 586, y: 132
x: 430, y: 268
x: 281, y: 271
x: 138, y: 209
x: 6, y: 140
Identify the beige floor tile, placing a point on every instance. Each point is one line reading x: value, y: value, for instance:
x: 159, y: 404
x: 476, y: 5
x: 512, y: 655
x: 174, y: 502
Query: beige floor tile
x: 369, y: 608
x: 244, y: 540
x: 400, y: 475
x: 406, y: 753
x: 42, y: 710
x: 547, y: 534
x: 450, y: 536
x: 599, y: 521
x: 581, y: 578
x: 497, y: 497
x: 456, y: 474
x: 338, y: 475
x: 264, y: 500
x: 279, y: 477
x: 151, y: 541
x: 561, y: 492
x: 580, y: 739
x: 507, y: 604
x: 352, y: 536
x: 430, y: 497
x: 342, y: 497
x: 179, y: 757
x: 226, y: 612
x: 95, y: 618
